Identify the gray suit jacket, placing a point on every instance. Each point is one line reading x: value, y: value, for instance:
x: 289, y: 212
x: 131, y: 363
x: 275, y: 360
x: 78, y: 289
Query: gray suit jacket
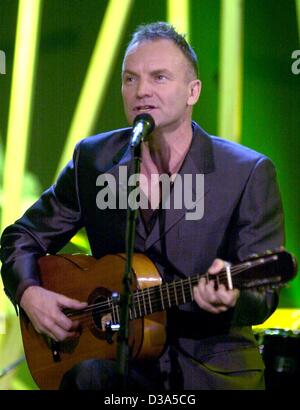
x: 242, y: 215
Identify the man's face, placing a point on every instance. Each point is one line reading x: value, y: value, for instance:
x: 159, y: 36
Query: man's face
x: 157, y: 79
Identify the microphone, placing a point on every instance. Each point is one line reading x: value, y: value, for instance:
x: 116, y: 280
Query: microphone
x: 143, y: 125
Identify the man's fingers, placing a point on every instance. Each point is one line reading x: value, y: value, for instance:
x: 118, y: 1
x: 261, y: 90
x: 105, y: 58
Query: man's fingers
x: 231, y: 297
x: 60, y: 334
x: 66, y: 302
x: 57, y: 325
x: 65, y: 323
x: 60, y: 328
x: 214, y: 300
x: 45, y: 310
x: 216, y: 266
x: 204, y: 296
x: 209, y: 307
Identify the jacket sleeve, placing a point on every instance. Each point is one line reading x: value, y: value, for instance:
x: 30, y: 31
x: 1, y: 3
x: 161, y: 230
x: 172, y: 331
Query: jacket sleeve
x: 259, y: 226
x: 44, y: 228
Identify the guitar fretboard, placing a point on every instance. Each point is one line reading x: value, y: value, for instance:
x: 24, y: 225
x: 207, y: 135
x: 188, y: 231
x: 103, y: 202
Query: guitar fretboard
x: 157, y: 298
x: 165, y: 296
x: 162, y: 297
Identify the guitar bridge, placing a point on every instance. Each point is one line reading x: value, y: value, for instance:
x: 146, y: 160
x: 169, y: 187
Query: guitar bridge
x: 110, y: 330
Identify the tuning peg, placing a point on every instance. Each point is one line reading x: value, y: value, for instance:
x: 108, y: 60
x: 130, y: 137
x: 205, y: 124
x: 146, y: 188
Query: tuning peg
x: 251, y: 256
x: 268, y: 252
x: 278, y: 286
x: 273, y: 286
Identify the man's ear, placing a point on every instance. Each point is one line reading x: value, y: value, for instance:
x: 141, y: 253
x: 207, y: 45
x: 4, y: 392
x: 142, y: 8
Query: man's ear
x: 194, y: 92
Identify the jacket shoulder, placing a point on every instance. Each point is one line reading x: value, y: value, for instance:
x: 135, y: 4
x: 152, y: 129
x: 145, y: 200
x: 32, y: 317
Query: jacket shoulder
x: 221, y: 154
x: 235, y: 151
x: 101, y: 148
x: 114, y: 139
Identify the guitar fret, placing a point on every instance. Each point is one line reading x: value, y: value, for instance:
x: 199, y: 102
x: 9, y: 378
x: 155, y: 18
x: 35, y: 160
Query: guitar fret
x: 162, y: 298
x: 130, y: 315
x: 171, y: 293
x: 157, y: 298
x: 133, y: 306
x: 175, y: 293
x: 149, y: 298
x: 168, y: 295
x: 191, y: 289
x: 186, y: 290
x: 183, y: 293
x: 144, y: 302
x: 139, y: 303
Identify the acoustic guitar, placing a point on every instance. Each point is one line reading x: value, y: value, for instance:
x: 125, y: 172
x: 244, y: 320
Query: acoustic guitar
x: 99, y: 282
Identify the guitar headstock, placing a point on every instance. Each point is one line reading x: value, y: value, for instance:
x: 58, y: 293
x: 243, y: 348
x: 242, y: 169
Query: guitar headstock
x: 272, y: 268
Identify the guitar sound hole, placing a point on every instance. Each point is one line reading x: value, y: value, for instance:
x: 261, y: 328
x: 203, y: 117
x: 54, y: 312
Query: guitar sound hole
x: 101, y: 312
x: 100, y: 317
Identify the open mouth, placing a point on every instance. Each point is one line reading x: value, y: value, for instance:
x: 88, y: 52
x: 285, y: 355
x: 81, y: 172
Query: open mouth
x: 144, y: 108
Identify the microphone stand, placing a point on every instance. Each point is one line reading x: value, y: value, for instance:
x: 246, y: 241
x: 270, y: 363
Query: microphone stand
x: 123, y: 350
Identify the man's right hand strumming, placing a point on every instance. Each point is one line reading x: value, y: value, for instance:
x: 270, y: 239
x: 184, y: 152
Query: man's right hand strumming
x: 44, y: 309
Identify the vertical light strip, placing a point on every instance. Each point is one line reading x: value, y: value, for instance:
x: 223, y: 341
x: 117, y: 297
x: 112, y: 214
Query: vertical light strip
x: 178, y: 14
x: 231, y: 66
x: 298, y: 16
x: 98, y: 75
x: 27, y: 34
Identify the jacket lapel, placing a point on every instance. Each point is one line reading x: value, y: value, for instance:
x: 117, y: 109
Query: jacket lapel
x: 199, y: 160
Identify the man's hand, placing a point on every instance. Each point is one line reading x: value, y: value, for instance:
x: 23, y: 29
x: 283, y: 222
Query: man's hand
x: 44, y: 309
x: 210, y: 299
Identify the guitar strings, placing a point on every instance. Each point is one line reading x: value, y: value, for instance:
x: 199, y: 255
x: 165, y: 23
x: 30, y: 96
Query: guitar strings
x: 141, y: 295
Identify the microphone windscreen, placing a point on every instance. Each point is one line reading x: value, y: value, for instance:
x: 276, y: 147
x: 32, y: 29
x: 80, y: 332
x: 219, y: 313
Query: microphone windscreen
x: 147, y: 119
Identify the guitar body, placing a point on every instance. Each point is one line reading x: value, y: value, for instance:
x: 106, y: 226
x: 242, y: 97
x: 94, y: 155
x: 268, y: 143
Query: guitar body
x: 84, y: 278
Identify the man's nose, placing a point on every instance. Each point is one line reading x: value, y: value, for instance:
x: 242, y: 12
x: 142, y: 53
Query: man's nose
x: 143, y: 89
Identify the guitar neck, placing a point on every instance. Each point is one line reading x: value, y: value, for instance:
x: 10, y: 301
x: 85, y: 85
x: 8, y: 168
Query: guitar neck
x: 179, y: 292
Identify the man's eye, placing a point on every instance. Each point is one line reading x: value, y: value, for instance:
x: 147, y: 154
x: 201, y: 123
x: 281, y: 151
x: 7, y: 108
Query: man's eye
x: 160, y: 77
x: 129, y: 80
